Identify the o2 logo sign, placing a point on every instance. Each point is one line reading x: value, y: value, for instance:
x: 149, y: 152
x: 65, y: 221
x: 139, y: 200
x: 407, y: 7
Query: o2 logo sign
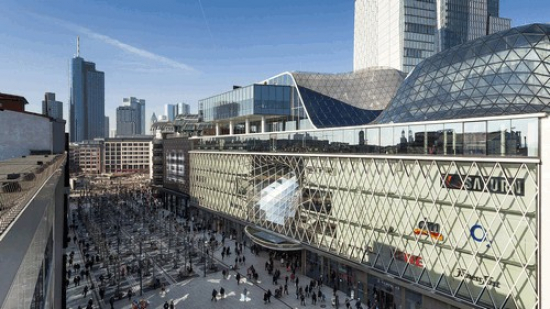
x: 479, y: 234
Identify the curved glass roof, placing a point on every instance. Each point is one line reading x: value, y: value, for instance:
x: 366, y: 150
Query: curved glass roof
x: 500, y: 74
x: 347, y: 99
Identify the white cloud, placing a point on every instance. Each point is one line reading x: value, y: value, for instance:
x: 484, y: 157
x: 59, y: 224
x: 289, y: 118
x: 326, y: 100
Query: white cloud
x: 120, y: 45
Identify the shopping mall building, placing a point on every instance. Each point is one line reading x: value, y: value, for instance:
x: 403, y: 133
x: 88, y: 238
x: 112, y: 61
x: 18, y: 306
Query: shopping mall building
x: 424, y: 191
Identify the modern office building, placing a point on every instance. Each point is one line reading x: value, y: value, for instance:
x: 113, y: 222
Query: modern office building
x: 86, y: 158
x: 33, y: 197
x: 128, y: 121
x: 427, y: 194
x: 139, y: 105
x: 183, y: 109
x: 51, y: 107
x: 87, y: 106
x: 107, y: 126
x: 170, y: 111
x: 128, y: 155
x: 400, y: 34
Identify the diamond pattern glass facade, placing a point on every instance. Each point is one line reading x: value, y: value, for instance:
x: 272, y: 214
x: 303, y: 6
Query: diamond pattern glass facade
x: 463, y: 227
x: 335, y: 100
x: 501, y: 74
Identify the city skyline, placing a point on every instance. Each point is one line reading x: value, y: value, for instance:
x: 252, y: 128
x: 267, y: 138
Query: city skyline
x: 185, y: 51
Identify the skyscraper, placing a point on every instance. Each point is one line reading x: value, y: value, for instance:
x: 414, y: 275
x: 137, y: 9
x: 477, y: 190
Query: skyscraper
x: 87, y: 105
x: 400, y: 34
x: 170, y: 110
x: 128, y: 120
x: 139, y: 105
x: 51, y: 107
x: 183, y: 109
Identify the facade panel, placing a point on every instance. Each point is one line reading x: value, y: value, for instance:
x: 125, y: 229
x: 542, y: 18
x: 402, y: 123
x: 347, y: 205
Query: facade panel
x: 472, y: 236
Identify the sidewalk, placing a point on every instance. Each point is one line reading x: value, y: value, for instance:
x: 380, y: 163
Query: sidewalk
x: 196, y: 292
x: 75, y: 294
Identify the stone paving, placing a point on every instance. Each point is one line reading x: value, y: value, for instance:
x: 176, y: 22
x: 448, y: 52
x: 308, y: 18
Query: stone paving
x: 195, y: 291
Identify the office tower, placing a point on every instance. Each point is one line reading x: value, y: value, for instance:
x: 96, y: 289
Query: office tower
x: 128, y: 121
x: 87, y: 103
x: 51, y: 107
x: 400, y: 34
x: 183, y: 109
x: 170, y: 111
x: 138, y: 104
x: 107, y: 128
x: 153, y: 118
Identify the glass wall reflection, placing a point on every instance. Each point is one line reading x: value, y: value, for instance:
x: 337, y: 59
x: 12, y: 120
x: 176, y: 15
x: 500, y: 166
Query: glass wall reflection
x: 499, y: 137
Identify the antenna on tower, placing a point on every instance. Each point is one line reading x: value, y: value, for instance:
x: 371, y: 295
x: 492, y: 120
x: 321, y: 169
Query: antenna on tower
x: 78, y: 46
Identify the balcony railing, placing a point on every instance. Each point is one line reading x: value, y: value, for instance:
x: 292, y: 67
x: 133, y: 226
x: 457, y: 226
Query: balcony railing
x: 18, y: 189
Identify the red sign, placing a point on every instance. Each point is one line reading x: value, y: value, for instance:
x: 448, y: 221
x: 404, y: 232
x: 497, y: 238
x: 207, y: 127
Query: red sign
x: 408, y: 258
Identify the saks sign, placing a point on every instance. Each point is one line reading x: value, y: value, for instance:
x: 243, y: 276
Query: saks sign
x: 500, y: 185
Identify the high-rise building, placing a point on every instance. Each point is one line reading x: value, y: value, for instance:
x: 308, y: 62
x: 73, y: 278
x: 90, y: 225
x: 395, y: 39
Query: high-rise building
x: 400, y: 34
x: 139, y: 105
x: 107, y: 127
x: 87, y: 103
x: 51, y: 107
x: 128, y: 121
x: 153, y: 118
x: 170, y: 110
x: 183, y: 109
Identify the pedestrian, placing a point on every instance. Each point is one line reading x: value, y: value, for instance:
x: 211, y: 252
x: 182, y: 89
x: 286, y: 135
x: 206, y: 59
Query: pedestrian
x: 223, y: 254
x: 238, y: 277
x: 244, y: 259
x: 307, y: 289
x: 172, y: 306
x: 302, y: 300
x: 101, y: 292
x: 130, y: 294
x: 314, y: 298
x: 269, y: 295
x: 265, y: 297
x: 297, y: 280
x: 286, y: 279
x: 214, y: 295
x: 222, y: 292
x: 112, y: 302
x: 74, y: 280
x: 85, y: 290
x: 166, y: 305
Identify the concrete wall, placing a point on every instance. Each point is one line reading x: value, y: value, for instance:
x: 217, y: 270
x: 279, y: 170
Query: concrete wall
x: 23, y: 249
x: 22, y: 132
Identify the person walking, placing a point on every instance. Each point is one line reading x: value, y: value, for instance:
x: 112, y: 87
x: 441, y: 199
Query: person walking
x: 166, y: 305
x: 285, y: 291
x: 297, y: 280
x: 269, y: 295
x: 112, y: 302
x: 85, y: 292
x: 214, y: 295
x: 222, y: 292
x: 172, y: 306
x: 238, y: 277
x: 245, y: 291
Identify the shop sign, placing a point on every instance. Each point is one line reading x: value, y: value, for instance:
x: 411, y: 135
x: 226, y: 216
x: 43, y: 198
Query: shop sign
x: 431, y: 229
x: 500, y: 185
x: 408, y: 258
x: 483, y: 280
x: 478, y: 234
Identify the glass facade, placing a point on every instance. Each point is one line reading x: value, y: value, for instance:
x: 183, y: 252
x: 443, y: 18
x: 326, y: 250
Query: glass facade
x: 464, y: 228
x: 87, y: 105
x: 498, y: 136
x: 501, y: 74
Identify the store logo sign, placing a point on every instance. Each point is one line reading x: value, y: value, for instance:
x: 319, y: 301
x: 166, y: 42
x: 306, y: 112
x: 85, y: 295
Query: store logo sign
x: 483, y: 280
x: 430, y: 229
x: 408, y: 258
x: 478, y: 234
x: 500, y: 185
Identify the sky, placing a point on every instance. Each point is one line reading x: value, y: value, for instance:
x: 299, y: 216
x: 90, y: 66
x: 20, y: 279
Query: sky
x: 168, y: 52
